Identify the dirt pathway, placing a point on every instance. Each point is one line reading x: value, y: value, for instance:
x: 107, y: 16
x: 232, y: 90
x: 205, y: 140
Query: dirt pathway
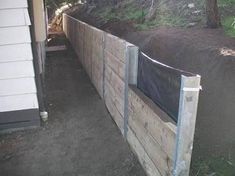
x: 80, y: 137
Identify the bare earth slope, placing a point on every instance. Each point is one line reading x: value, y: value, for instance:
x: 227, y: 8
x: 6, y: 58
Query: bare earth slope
x: 207, y: 52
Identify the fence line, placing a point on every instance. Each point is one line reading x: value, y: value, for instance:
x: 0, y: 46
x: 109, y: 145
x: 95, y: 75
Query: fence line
x: 162, y: 146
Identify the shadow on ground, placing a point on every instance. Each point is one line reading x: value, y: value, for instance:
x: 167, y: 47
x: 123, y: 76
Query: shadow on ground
x: 79, y: 138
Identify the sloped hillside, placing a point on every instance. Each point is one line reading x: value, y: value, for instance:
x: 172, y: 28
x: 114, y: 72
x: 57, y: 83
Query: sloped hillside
x: 150, y: 14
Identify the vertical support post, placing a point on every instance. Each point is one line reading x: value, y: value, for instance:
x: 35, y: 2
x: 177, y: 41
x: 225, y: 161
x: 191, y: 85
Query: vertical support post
x: 131, y: 70
x: 190, y: 87
x: 38, y: 35
x: 65, y: 23
x: 40, y: 32
x: 133, y: 65
x: 103, y: 60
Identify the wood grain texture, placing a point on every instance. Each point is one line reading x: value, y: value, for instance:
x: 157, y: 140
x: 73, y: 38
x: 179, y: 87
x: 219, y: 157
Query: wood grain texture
x: 117, y: 117
x: 151, y: 132
x: 156, y: 122
x: 116, y: 46
x: 98, y: 60
x: 154, y: 129
x: 115, y: 81
x: 117, y: 66
x: 142, y: 155
x: 117, y: 101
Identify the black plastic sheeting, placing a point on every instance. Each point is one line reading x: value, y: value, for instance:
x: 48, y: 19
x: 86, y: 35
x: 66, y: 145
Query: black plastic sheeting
x: 161, y: 83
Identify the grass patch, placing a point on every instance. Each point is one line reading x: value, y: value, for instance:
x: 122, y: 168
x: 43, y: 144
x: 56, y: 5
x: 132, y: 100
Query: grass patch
x: 133, y: 12
x: 170, y: 20
x: 129, y: 12
x: 106, y: 13
x: 164, y: 19
x: 217, y: 166
x: 226, y: 3
x: 229, y: 25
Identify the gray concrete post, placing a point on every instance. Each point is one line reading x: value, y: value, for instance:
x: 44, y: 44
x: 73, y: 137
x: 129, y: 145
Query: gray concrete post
x: 189, y: 93
x: 131, y: 71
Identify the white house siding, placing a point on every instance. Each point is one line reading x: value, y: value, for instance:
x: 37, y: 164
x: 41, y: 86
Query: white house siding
x: 17, y: 79
x: 15, y: 52
x: 19, y: 17
x: 13, y: 4
x: 14, y: 35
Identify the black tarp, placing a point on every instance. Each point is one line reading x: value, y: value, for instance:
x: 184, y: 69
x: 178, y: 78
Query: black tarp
x: 161, y: 83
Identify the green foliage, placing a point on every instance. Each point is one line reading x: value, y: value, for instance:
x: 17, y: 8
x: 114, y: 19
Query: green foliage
x: 127, y: 13
x: 217, y: 166
x: 229, y: 25
x: 163, y: 17
x: 167, y: 14
x: 106, y: 14
x: 226, y: 3
x: 132, y: 12
x: 171, y: 20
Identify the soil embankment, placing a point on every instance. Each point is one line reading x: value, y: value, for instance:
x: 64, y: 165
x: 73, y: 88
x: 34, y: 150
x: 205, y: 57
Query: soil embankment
x: 207, y: 52
x: 212, y: 55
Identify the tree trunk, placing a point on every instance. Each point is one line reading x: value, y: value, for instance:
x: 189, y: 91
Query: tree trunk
x: 212, y: 13
x: 152, y: 11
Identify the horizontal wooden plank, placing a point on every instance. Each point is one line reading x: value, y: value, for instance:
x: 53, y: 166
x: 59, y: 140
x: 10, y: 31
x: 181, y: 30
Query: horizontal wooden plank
x: 143, y: 157
x: 88, y: 62
x: 87, y: 50
x: 117, y: 100
x: 116, y: 46
x: 9, y: 70
x: 97, y: 61
x: 97, y: 77
x: 117, y: 66
x: 98, y: 83
x: 161, y: 160
x: 156, y: 122
x: 12, y: 4
x: 115, y: 81
x: 17, y: 86
x: 14, y: 17
x: 14, y: 35
x: 98, y: 37
x: 18, y: 52
x: 114, y: 113
x: 18, y: 102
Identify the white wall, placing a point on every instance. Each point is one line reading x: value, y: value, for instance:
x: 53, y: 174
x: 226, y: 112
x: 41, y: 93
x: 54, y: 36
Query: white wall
x: 17, y: 79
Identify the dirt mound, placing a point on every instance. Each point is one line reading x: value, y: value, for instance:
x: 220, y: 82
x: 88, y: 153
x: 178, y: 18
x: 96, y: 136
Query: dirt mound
x: 212, y: 55
x: 207, y: 52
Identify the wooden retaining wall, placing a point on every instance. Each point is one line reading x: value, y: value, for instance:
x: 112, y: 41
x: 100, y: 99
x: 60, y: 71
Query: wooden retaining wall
x: 114, y: 77
x: 88, y: 43
x: 163, y: 147
x: 152, y: 131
